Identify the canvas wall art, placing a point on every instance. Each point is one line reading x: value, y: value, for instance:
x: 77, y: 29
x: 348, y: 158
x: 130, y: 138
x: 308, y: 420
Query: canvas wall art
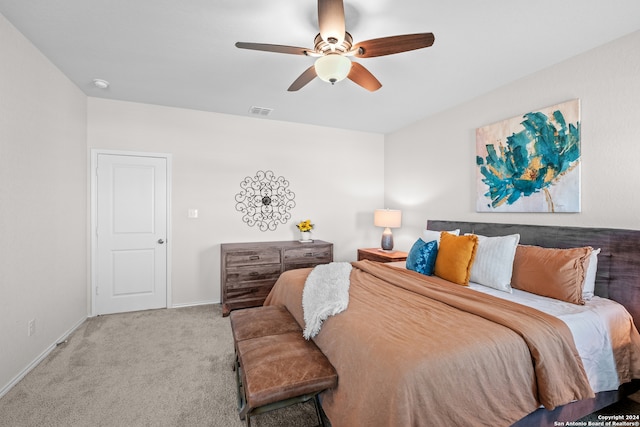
x: 530, y: 163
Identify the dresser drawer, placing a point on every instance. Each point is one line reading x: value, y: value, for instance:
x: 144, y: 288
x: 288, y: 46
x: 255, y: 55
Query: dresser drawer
x: 253, y: 273
x: 247, y: 297
x: 250, y: 289
x: 317, y: 255
x: 253, y: 257
x: 296, y: 265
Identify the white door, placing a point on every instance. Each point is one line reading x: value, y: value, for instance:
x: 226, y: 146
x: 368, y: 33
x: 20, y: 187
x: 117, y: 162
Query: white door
x: 131, y: 232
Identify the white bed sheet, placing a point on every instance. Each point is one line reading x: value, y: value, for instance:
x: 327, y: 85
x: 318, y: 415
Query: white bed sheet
x: 592, y: 326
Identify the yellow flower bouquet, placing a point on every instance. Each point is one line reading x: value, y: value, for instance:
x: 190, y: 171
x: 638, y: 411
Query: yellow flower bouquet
x: 305, y: 226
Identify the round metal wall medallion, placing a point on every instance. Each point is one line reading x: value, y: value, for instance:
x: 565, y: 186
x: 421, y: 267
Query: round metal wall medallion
x: 265, y: 200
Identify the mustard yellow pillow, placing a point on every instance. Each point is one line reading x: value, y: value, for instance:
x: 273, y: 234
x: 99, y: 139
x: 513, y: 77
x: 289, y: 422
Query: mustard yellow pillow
x: 554, y: 273
x: 455, y: 257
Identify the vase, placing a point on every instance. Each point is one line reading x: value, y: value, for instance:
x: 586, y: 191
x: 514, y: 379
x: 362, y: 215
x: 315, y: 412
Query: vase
x: 305, y: 236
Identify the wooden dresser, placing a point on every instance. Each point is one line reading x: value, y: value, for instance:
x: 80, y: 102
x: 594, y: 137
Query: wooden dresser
x: 248, y: 271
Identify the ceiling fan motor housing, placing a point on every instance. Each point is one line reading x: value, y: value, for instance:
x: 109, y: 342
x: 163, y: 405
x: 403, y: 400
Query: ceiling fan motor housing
x: 323, y: 47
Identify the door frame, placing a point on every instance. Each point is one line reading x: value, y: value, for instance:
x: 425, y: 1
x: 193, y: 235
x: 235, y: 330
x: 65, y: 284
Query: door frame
x: 93, y: 226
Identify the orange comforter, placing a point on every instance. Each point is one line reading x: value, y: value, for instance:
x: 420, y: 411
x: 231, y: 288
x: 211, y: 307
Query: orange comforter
x: 416, y: 350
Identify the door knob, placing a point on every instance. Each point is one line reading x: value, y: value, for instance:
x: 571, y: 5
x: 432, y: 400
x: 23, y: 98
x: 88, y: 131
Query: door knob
x: 160, y: 241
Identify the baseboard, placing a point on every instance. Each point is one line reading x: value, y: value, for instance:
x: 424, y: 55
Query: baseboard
x: 193, y: 304
x: 39, y: 359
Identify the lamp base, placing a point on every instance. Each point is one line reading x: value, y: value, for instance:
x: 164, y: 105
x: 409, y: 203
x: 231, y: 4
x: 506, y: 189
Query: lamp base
x: 387, y: 240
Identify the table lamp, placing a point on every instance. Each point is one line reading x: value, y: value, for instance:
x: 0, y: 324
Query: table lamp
x: 387, y: 218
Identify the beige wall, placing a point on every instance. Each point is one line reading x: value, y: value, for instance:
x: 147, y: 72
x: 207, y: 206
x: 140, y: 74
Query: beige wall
x: 336, y: 175
x: 430, y: 166
x: 43, y: 204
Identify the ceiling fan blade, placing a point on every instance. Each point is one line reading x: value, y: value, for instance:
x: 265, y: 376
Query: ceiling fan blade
x: 394, y: 44
x: 273, y: 48
x: 363, y: 77
x: 306, y: 77
x: 331, y: 21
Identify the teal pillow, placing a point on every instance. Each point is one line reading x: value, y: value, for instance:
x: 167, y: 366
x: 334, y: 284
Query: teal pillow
x: 422, y: 257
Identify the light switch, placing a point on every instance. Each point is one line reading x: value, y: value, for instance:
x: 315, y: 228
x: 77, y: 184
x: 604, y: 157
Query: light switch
x: 193, y: 213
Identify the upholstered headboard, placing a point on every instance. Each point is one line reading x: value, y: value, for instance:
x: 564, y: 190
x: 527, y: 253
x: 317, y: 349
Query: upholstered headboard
x: 618, y: 276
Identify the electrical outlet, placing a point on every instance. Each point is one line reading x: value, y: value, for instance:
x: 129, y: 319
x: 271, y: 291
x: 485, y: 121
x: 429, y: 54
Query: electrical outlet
x: 31, y: 327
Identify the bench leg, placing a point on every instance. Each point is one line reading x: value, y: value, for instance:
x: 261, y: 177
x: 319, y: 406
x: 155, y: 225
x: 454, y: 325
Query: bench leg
x: 246, y: 412
x: 245, y: 415
x: 316, y: 404
x: 241, y: 400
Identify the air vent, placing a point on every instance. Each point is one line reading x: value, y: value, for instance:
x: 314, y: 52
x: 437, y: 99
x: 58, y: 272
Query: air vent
x: 260, y: 111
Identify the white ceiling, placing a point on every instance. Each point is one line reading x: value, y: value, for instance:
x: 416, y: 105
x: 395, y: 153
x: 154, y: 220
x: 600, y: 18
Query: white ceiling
x: 181, y: 53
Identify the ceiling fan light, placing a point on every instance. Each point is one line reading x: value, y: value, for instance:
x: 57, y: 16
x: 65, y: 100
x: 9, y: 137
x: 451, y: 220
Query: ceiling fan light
x: 333, y: 67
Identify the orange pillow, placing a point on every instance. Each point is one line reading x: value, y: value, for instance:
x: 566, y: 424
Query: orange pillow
x: 553, y: 273
x: 455, y: 257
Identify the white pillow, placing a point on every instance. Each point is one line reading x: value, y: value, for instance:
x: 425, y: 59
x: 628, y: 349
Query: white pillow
x: 590, y: 278
x: 493, y: 265
x: 430, y: 235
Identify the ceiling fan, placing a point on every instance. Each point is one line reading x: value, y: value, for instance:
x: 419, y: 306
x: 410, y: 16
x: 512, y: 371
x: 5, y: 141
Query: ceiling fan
x: 334, y: 45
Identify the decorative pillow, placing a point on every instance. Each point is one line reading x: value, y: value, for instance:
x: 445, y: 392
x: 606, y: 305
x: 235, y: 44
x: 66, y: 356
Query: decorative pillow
x: 422, y: 257
x: 430, y: 235
x: 455, y: 257
x: 554, y: 273
x: 494, y: 261
x: 590, y: 278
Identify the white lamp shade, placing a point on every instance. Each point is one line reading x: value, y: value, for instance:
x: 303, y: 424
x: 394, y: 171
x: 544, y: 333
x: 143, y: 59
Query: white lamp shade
x: 391, y: 218
x: 333, y: 67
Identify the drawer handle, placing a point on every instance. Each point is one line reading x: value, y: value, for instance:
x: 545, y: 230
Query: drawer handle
x: 254, y: 273
x: 254, y: 257
x: 309, y: 254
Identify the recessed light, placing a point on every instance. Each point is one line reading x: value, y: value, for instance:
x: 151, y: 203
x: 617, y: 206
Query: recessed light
x: 100, y: 84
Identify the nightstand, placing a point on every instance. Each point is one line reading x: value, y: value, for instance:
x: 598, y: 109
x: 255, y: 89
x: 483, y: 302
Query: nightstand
x: 375, y: 254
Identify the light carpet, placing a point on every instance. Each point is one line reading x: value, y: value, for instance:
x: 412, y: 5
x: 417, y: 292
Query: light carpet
x: 149, y: 368
x: 152, y: 368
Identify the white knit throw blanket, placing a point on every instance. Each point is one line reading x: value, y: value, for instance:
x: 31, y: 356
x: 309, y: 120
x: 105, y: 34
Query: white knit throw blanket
x: 325, y: 293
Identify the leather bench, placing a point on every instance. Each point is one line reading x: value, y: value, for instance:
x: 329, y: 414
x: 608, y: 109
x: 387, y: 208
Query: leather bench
x: 276, y: 366
x: 261, y: 321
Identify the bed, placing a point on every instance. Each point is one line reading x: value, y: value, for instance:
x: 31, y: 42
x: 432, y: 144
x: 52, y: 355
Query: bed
x: 416, y: 350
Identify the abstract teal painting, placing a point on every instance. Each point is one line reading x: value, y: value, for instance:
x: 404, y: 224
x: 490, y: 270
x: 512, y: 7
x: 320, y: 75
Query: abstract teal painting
x: 530, y: 163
